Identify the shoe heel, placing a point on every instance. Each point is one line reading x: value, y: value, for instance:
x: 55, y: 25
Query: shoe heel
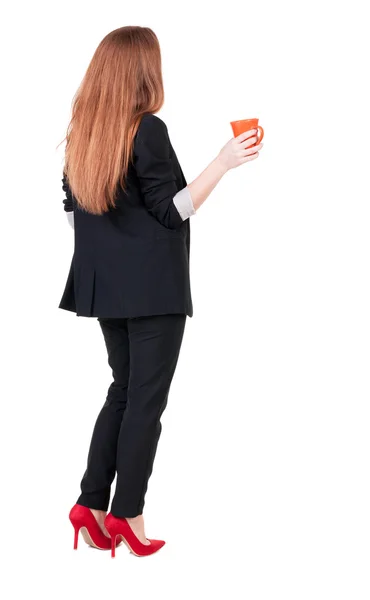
x: 113, y: 546
x: 75, y: 543
x: 83, y: 520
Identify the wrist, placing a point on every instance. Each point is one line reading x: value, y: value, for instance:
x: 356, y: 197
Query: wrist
x: 220, y: 165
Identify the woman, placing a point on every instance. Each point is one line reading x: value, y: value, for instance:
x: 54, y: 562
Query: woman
x: 130, y: 205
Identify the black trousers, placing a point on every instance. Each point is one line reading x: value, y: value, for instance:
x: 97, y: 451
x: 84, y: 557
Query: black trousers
x: 143, y: 354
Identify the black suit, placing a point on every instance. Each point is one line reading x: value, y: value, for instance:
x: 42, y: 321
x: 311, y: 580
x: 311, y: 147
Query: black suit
x: 134, y: 260
x: 130, y: 269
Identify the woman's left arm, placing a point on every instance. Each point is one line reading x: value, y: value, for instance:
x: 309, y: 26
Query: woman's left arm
x: 68, y: 201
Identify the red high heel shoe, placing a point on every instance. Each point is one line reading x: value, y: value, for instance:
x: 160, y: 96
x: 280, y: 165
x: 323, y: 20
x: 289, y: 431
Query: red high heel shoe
x: 82, y: 519
x: 119, y: 527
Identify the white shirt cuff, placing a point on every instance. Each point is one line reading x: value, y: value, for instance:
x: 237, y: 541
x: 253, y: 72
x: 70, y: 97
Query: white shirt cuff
x: 184, y: 203
x: 70, y: 217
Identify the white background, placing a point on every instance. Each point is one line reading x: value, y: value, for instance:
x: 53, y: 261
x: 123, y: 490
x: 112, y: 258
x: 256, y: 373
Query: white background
x: 261, y: 480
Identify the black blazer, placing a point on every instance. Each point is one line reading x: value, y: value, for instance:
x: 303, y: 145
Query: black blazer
x: 133, y: 260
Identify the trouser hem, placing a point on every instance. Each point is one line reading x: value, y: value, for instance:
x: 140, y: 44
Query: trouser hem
x: 94, y: 501
x: 128, y: 513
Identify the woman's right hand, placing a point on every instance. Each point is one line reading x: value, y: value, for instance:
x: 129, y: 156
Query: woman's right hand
x: 238, y: 150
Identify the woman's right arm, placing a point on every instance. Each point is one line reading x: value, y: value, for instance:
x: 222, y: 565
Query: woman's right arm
x: 157, y: 179
x: 236, y: 152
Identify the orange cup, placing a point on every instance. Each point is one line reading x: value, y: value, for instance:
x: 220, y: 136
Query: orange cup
x: 239, y: 127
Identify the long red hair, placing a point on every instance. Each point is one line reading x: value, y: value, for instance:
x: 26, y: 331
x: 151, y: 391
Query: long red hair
x: 123, y: 81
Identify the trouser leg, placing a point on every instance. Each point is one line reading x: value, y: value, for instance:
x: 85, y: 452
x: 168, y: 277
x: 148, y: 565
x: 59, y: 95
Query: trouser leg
x: 154, y: 349
x: 101, y: 462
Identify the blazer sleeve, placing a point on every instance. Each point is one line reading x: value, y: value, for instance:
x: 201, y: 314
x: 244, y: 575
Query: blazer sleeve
x: 68, y: 200
x: 153, y: 165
